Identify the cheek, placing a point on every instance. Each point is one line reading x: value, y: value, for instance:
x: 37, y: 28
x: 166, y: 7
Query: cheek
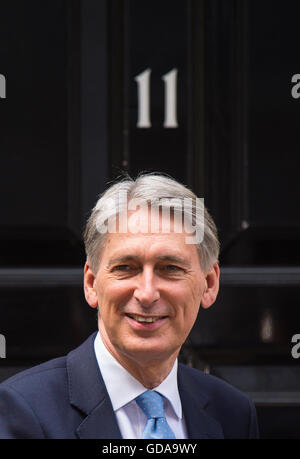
x: 113, y: 295
x: 189, y: 294
x: 196, y: 293
x: 187, y: 302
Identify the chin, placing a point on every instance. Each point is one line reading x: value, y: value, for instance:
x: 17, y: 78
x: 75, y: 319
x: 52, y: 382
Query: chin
x: 148, y: 351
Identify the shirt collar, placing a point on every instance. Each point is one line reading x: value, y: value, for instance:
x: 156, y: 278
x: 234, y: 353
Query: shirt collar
x: 122, y: 387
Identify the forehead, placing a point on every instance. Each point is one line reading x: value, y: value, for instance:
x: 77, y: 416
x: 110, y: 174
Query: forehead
x: 142, y: 242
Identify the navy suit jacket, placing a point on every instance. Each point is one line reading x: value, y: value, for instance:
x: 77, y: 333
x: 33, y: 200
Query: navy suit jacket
x: 66, y: 398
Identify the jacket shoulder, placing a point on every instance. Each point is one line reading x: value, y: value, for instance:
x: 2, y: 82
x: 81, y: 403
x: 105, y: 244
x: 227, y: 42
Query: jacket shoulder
x: 233, y: 409
x: 38, y: 373
x: 211, y: 383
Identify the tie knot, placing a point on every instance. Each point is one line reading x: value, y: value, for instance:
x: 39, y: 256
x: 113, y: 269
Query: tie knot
x: 152, y: 403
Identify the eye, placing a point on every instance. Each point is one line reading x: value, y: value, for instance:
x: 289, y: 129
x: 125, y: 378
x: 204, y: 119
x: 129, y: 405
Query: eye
x: 172, y: 268
x: 125, y: 270
x: 122, y: 268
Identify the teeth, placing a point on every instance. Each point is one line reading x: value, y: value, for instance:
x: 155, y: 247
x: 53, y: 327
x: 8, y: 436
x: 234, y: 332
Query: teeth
x: 144, y: 319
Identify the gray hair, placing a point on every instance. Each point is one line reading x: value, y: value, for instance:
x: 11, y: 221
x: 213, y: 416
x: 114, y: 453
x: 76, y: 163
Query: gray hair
x: 149, y: 187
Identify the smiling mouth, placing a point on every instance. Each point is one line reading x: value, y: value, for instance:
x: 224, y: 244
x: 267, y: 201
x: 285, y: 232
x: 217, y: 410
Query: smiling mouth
x: 143, y: 319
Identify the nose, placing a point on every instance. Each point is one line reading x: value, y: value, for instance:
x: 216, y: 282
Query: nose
x: 146, y: 291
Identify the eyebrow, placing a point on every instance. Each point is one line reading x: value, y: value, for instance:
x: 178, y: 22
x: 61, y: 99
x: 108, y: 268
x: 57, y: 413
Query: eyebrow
x: 121, y: 259
x: 174, y: 259
x: 168, y: 257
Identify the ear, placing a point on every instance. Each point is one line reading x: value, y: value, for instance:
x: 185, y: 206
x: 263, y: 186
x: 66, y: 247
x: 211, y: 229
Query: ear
x: 89, y: 286
x: 212, y: 287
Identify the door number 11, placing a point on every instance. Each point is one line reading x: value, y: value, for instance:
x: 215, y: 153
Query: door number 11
x: 143, y: 93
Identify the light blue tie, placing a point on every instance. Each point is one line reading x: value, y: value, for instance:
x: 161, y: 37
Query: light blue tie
x: 152, y: 403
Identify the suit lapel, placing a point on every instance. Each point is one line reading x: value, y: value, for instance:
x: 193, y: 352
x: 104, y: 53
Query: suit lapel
x: 199, y: 423
x: 100, y: 423
x: 88, y: 393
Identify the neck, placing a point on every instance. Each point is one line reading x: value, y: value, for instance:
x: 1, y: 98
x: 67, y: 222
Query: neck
x: 149, y: 371
x: 152, y: 374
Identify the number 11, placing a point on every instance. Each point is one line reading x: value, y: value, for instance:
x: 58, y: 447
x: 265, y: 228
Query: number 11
x: 143, y: 88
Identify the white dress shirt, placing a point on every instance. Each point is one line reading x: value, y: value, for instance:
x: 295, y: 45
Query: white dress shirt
x: 123, y: 388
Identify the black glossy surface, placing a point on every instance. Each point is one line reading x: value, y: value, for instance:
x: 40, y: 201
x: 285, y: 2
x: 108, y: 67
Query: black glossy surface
x: 273, y: 114
x: 33, y: 141
x: 41, y: 323
x: 157, y: 148
x: 257, y: 319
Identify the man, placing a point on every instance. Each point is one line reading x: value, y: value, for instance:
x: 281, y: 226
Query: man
x: 152, y: 260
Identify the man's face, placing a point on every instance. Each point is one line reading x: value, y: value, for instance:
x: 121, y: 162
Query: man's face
x: 149, y: 288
